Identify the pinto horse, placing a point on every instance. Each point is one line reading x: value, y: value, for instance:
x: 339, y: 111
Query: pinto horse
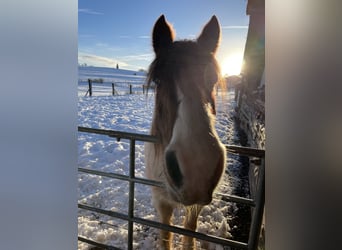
x: 190, y: 158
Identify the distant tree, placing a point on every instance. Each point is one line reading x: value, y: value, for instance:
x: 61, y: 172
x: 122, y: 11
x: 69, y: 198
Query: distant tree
x: 117, y: 66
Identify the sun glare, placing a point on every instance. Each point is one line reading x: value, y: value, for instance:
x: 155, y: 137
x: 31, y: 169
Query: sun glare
x: 231, y: 65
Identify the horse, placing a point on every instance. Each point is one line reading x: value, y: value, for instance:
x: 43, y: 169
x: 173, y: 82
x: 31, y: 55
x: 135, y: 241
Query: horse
x: 189, y: 158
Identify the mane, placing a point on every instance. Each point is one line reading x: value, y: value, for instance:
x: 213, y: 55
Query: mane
x: 164, y: 71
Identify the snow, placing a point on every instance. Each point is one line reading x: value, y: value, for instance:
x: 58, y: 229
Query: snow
x: 133, y: 113
x: 121, y: 78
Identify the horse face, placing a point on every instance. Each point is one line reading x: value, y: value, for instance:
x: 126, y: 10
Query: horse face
x: 194, y: 157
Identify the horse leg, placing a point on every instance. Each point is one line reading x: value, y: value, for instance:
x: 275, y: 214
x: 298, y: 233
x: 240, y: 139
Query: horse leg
x: 190, y: 222
x: 165, y: 212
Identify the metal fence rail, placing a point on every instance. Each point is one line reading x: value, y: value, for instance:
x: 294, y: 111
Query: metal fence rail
x: 258, y: 203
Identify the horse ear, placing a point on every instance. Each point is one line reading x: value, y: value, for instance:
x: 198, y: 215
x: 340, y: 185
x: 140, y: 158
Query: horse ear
x: 163, y: 35
x: 209, y: 39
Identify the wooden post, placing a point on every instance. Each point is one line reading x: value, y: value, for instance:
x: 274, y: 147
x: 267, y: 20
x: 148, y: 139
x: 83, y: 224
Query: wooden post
x: 143, y: 88
x: 130, y: 88
x: 113, y: 89
x: 90, y: 87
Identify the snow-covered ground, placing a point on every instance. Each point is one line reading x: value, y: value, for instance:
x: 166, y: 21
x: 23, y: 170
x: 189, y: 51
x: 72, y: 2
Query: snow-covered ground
x: 133, y: 113
x: 121, y: 79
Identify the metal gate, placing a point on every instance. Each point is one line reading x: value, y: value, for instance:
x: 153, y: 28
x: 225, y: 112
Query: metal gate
x: 257, y: 203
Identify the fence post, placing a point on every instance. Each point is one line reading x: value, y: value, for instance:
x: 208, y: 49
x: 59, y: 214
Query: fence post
x: 131, y: 194
x: 90, y: 87
x: 130, y: 88
x: 258, y: 211
x: 113, y: 89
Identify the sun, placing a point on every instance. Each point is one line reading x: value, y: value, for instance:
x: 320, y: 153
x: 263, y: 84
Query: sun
x: 231, y: 65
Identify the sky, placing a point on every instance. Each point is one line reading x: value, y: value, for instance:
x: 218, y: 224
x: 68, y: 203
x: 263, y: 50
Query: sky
x: 112, y: 32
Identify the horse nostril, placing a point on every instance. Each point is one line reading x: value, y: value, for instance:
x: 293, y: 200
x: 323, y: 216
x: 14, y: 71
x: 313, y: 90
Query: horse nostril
x: 173, y: 168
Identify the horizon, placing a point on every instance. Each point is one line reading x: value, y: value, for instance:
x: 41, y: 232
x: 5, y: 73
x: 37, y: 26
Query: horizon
x: 111, y: 33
